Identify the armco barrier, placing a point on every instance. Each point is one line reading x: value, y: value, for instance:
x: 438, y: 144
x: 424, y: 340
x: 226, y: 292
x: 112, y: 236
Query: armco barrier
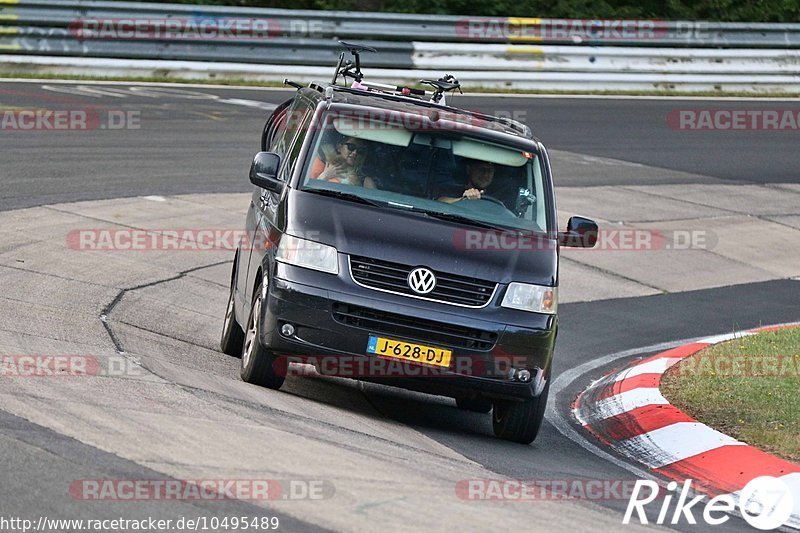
x: 492, y: 52
x: 542, y: 81
x: 406, y: 27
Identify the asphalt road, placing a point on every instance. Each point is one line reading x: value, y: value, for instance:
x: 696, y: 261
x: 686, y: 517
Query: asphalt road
x: 201, y: 140
x: 37, y: 460
x: 643, y: 131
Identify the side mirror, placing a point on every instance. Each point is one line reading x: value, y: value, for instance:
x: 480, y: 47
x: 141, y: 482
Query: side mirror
x: 581, y: 233
x: 264, y: 171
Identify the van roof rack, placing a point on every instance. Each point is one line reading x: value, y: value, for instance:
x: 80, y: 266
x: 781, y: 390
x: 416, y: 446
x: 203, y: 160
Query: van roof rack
x: 347, y: 68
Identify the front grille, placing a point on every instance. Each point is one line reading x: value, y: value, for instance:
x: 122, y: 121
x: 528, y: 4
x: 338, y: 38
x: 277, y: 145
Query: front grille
x: 413, y: 328
x: 392, y: 277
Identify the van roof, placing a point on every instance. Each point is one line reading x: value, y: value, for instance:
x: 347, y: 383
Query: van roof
x: 409, y: 104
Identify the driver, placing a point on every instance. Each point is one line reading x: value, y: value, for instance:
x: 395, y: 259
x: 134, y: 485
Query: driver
x: 480, y: 175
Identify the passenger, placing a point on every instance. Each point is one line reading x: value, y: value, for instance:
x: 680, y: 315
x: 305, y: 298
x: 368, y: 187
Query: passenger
x: 343, y: 164
x: 480, y: 175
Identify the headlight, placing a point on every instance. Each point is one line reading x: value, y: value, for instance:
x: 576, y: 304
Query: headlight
x: 308, y: 254
x: 531, y: 298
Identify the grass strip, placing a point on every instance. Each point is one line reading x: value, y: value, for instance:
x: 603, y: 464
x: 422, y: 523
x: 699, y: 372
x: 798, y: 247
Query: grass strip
x: 748, y: 388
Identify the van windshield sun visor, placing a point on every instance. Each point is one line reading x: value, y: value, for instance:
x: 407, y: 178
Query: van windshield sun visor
x: 370, y: 130
x: 488, y: 152
x: 397, y: 135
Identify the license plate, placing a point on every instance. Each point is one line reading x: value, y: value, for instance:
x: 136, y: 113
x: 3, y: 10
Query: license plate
x: 415, y: 353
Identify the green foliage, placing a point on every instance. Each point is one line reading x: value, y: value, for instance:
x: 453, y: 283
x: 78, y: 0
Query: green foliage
x: 721, y: 10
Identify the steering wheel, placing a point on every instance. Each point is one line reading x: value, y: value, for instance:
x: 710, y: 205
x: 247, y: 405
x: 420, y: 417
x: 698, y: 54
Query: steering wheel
x: 492, y: 199
x: 472, y: 205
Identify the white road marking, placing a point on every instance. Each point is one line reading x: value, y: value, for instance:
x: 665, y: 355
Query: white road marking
x: 249, y: 103
x: 470, y: 95
x: 149, y: 84
x: 153, y: 91
x: 589, y: 160
x: 676, y: 442
x: 91, y: 92
x: 622, y: 403
x: 727, y: 337
x: 656, y: 366
x: 160, y: 92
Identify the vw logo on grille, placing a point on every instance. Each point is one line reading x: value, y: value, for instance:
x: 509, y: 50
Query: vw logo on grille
x: 421, y: 280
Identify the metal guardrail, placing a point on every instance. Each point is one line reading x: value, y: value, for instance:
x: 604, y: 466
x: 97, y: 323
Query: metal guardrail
x: 278, y: 50
x: 540, y: 80
x: 517, y: 52
x: 405, y: 27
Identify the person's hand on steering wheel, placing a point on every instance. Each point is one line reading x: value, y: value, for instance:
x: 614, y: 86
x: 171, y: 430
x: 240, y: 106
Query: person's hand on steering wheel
x: 478, y: 194
x: 472, y: 194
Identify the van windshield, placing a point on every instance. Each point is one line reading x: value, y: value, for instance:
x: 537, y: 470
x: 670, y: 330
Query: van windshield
x: 437, y: 172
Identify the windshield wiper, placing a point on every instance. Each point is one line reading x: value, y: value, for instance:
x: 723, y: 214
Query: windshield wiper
x: 452, y: 217
x: 345, y: 196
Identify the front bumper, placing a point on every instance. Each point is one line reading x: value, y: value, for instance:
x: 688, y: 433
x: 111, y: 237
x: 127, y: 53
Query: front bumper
x: 337, y: 347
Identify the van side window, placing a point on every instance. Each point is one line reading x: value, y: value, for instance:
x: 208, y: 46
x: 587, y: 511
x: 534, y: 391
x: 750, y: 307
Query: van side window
x: 273, y: 125
x: 287, y: 126
x: 277, y: 135
x: 299, y: 129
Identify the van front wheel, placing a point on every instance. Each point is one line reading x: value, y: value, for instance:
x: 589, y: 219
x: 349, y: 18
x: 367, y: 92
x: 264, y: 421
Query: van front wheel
x: 258, y: 363
x: 519, y: 421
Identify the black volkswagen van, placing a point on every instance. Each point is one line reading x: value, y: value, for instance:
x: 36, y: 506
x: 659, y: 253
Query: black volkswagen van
x: 401, y: 241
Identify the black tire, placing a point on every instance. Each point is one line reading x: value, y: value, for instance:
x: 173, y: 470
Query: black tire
x: 232, y: 335
x: 258, y: 363
x: 476, y: 405
x: 519, y: 421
